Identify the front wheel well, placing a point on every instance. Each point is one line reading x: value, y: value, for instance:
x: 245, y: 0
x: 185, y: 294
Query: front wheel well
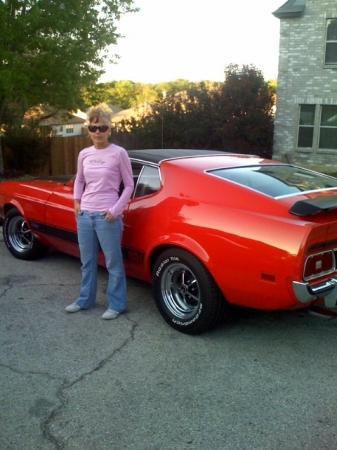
x: 18, y: 237
x: 9, y: 206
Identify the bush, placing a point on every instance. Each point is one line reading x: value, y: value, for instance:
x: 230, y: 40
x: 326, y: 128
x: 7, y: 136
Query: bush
x: 28, y: 148
x: 10, y: 174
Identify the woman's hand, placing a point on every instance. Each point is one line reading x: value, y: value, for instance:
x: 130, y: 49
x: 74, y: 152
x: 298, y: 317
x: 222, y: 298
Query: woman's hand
x: 77, y: 207
x: 107, y: 214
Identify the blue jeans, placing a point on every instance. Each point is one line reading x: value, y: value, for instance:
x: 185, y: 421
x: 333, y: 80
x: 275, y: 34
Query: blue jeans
x: 94, y: 230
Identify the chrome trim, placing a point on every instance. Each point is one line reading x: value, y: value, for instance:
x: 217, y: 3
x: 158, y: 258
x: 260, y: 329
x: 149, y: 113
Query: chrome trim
x: 305, y: 292
x: 310, y: 191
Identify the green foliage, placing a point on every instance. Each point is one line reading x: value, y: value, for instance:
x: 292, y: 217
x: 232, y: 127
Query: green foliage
x: 51, y: 49
x: 245, y: 112
x: 175, y: 121
x: 28, y: 148
x: 236, y: 115
x: 124, y: 94
x: 272, y: 85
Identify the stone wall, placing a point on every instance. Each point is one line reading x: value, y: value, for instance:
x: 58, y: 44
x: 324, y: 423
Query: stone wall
x: 304, y: 79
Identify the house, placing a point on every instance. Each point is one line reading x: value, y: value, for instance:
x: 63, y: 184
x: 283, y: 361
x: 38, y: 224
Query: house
x: 137, y: 112
x: 306, y: 110
x: 65, y: 126
x: 68, y: 124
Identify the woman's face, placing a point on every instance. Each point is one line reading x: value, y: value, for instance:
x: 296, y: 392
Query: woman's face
x: 99, y: 133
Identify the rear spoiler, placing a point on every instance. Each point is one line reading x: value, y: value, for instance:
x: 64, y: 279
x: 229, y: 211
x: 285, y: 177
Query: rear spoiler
x: 314, y: 205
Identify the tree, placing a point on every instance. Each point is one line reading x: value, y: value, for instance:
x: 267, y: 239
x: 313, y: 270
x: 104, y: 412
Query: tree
x: 51, y: 49
x: 245, y: 115
x: 272, y: 85
x: 125, y: 93
x: 236, y: 115
x: 29, y: 148
x: 179, y: 119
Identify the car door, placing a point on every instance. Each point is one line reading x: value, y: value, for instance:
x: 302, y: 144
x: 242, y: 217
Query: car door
x: 60, y: 219
x: 139, y: 218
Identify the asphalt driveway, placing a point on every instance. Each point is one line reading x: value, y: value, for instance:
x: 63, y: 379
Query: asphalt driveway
x: 74, y: 381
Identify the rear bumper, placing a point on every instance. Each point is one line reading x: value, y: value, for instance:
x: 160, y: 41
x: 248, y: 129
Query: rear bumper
x: 327, y: 290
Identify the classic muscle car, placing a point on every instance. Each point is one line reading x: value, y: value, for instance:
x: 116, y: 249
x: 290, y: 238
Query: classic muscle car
x: 207, y: 229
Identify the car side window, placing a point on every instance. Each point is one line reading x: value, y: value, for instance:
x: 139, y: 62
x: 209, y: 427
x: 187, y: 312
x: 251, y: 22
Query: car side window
x: 148, y: 181
x: 136, y: 170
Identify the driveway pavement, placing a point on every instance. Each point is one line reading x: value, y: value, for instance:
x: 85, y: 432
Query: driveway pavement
x: 263, y: 380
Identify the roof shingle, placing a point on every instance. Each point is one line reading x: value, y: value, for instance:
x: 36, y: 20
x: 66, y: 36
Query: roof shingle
x: 292, y: 8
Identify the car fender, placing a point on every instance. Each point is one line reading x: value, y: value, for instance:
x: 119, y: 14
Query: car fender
x: 14, y: 204
x: 176, y: 240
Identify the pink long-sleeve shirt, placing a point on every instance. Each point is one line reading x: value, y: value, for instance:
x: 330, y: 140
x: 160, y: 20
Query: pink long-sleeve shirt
x: 100, y: 172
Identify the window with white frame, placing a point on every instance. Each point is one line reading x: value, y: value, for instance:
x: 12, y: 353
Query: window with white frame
x: 306, y: 126
x: 69, y: 128
x: 328, y: 127
x: 331, y: 42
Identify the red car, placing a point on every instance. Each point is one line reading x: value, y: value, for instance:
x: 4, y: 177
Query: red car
x: 207, y: 229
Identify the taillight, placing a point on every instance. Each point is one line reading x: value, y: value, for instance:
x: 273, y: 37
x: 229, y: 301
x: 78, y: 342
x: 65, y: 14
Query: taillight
x: 319, y: 264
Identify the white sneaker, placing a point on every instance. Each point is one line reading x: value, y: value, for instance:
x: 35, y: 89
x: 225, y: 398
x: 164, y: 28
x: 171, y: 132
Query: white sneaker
x: 72, y: 308
x: 110, y: 314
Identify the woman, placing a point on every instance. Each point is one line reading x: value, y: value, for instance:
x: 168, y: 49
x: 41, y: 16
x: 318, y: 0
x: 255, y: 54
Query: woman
x: 98, y: 208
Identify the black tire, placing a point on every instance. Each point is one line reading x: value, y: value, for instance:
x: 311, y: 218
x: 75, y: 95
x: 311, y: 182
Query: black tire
x: 18, y: 238
x: 185, y: 293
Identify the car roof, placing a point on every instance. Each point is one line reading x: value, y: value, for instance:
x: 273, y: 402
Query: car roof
x: 158, y: 155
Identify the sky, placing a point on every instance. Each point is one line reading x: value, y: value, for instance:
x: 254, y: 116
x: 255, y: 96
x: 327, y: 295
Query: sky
x: 195, y: 40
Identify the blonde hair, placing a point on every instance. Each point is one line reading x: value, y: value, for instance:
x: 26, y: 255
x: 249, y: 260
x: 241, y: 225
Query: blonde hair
x: 99, y: 113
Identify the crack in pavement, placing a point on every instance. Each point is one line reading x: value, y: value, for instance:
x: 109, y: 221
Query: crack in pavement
x: 8, y: 283
x: 5, y: 281
x: 62, y: 398
x: 29, y: 372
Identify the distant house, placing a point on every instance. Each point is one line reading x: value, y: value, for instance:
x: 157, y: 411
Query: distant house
x: 306, y: 110
x: 114, y: 109
x: 136, y: 112
x: 66, y: 126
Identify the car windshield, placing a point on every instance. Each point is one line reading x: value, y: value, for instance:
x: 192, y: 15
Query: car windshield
x: 277, y: 180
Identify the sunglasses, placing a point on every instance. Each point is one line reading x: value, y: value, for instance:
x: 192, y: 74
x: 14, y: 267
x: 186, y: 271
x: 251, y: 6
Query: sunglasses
x: 100, y: 128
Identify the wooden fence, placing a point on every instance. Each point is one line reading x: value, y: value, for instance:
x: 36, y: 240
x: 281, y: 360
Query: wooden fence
x: 64, y: 152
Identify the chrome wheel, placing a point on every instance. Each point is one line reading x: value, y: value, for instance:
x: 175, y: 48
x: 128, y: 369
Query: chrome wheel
x: 18, y: 238
x: 180, y: 291
x: 185, y: 293
x: 19, y: 235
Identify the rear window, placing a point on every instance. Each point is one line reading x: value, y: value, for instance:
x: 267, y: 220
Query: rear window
x: 277, y: 180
